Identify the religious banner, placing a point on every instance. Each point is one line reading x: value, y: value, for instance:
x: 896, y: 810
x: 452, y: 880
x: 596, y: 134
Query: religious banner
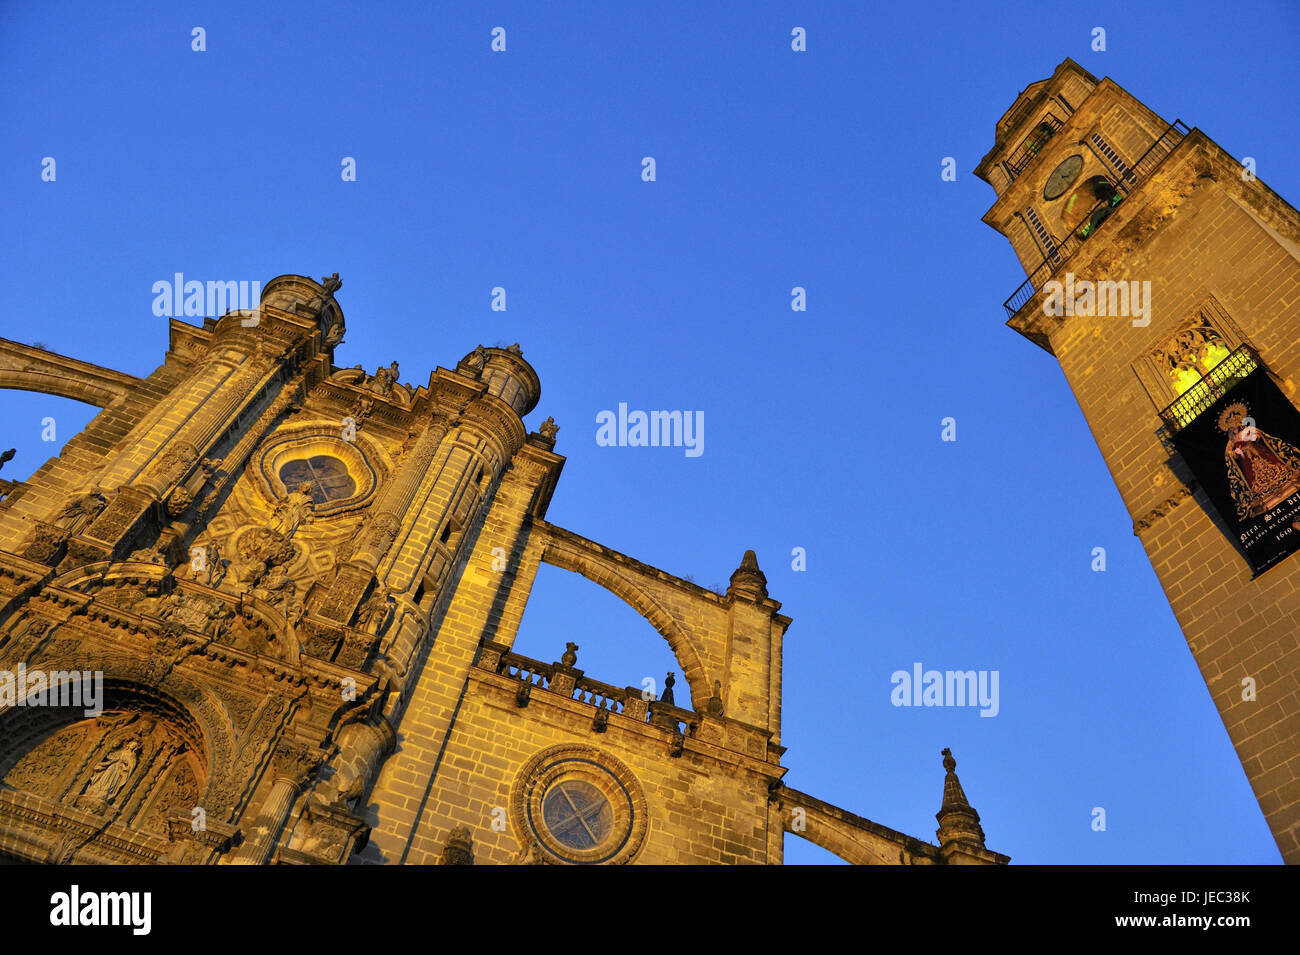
x: 1245, y: 451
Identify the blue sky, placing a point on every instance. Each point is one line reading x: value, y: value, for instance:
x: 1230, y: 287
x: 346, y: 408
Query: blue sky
x: 775, y: 169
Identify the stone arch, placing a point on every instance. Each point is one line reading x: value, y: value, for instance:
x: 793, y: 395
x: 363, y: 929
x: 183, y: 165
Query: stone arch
x: 840, y: 844
x: 566, y: 557
x: 135, y: 759
x: 856, y: 840
x: 24, y: 726
x: 131, y: 681
x: 131, y: 764
x: 28, y: 368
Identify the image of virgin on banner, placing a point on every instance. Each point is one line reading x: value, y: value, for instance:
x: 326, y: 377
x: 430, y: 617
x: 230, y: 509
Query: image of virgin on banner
x: 1245, y: 451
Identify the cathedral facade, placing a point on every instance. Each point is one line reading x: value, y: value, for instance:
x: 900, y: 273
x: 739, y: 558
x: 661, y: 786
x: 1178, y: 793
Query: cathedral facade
x: 262, y: 610
x: 1164, y: 277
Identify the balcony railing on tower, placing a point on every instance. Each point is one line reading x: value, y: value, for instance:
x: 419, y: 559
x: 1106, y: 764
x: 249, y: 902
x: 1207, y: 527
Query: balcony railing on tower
x: 1212, y: 386
x: 1059, y: 254
x: 1031, y: 146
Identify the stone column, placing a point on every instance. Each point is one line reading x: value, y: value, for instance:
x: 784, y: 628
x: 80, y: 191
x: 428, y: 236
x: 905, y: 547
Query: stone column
x: 354, y: 577
x: 292, y: 765
x: 392, y: 507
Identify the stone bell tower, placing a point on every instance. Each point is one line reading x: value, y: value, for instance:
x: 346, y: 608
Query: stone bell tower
x: 1165, y: 279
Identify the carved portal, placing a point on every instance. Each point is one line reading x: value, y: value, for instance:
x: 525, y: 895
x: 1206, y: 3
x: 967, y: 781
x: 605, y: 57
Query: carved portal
x: 131, y: 766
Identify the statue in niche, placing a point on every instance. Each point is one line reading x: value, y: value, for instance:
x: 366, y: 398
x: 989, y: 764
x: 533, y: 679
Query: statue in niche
x: 112, y: 772
x: 374, y: 615
x: 364, y: 407
x: 78, y: 514
x: 1190, y: 355
x: 214, y: 565
x: 291, y: 511
x: 349, y: 546
x: 280, y: 590
x: 294, y: 609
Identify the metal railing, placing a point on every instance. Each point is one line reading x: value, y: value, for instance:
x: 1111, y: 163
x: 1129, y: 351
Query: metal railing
x: 1150, y: 160
x: 1156, y: 153
x: 1032, y: 145
x: 1212, y: 386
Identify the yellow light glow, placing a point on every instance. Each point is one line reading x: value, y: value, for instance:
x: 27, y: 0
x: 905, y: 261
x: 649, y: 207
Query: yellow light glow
x: 1212, y: 355
x: 1184, y: 378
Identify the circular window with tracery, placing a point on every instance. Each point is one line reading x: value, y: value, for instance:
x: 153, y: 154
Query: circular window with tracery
x: 327, y: 475
x: 580, y: 806
x: 577, y: 814
x: 338, y: 472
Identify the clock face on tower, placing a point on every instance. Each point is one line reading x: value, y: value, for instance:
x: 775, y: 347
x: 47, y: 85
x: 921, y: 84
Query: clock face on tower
x: 1062, y: 177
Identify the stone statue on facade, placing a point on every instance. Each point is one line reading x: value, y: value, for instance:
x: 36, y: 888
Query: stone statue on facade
x: 78, y: 514
x: 476, y: 361
x: 383, y: 380
x: 374, y: 615
x: 291, y: 511
x: 113, y: 771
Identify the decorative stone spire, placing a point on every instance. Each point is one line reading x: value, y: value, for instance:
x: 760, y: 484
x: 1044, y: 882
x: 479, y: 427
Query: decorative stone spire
x: 958, y: 821
x: 506, y: 375
x: 570, y: 656
x: 748, y: 580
